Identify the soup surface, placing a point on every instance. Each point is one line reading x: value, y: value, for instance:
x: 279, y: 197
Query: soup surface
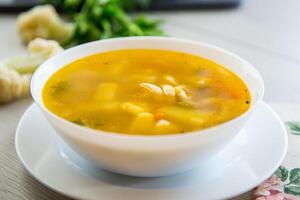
x: 148, y: 92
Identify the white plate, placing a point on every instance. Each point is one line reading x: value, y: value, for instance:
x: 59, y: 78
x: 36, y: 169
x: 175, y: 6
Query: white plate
x: 250, y: 159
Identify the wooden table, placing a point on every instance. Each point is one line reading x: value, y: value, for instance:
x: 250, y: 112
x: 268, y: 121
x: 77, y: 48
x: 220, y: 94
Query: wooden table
x: 265, y: 32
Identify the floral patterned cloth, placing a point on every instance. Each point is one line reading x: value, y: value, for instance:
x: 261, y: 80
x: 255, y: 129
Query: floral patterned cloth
x: 274, y: 189
x: 284, y: 184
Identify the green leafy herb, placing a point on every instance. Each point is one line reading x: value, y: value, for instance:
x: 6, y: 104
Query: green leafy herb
x: 294, y: 190
x: 294, y: 127
x: 79, y: 121
x: 101, y: 19
x: 282, y: 173
x: 59, y: 88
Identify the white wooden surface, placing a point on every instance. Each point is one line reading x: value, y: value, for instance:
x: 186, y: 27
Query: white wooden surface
x: 265, y: 32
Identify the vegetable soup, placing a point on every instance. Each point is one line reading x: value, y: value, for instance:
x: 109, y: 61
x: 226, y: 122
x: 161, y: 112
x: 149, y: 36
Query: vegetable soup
x: 146, y: 92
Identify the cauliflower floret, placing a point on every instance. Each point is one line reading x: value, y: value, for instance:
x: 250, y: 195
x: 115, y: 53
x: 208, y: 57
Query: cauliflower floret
x: 15, y: 73
x: 39, y: 51
x: 13, y: 85
x: 44, y: 22
x: 47, y: 48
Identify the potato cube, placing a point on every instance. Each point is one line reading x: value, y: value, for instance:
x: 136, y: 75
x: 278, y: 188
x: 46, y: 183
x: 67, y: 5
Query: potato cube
x: 133, y: 108
x: 106, y: 92
x: 96, y: 107
x: 109, y: 106
x: 143, y: 123
x: 185, y: 116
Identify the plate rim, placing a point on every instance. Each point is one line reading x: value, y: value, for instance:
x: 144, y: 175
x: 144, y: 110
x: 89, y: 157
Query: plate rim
x: 268, y: 175
x: 230, y: 195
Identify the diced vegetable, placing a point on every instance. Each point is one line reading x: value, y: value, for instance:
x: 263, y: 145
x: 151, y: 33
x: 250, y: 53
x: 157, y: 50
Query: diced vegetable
x: 98, y: 107
x: 205, y: 103
x: 185, y: 116
x: 133, y: 108
x: 143, y: 123
x: 158, y: 115
x: 106, y: 92
x: 109, y: 106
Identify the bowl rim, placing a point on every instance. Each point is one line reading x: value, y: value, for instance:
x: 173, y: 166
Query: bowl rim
x: 140, y: 136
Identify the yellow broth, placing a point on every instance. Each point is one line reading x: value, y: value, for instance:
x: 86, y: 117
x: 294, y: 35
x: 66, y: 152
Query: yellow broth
x: 146, y: 92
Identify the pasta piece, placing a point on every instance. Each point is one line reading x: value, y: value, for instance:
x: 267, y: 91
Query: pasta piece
x: 164, y: 127
x: 168, y: 90
x: 181, y: 93
x: 170, y: 79
x: 151, y: 88
x: 106, y: 92
x: 133, y: 108
x: 143, y: 123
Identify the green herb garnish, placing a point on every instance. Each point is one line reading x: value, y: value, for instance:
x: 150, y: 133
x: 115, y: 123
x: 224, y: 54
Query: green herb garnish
x: 101, y: 19
x: 59, y: 88
x: 79, y: 121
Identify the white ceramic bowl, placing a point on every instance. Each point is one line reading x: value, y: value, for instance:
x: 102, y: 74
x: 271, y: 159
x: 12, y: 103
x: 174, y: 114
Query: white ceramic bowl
x: 148, y: 156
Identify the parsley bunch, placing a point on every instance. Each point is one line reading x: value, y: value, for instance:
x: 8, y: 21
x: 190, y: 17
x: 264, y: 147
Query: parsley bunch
x: 101, y: 19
